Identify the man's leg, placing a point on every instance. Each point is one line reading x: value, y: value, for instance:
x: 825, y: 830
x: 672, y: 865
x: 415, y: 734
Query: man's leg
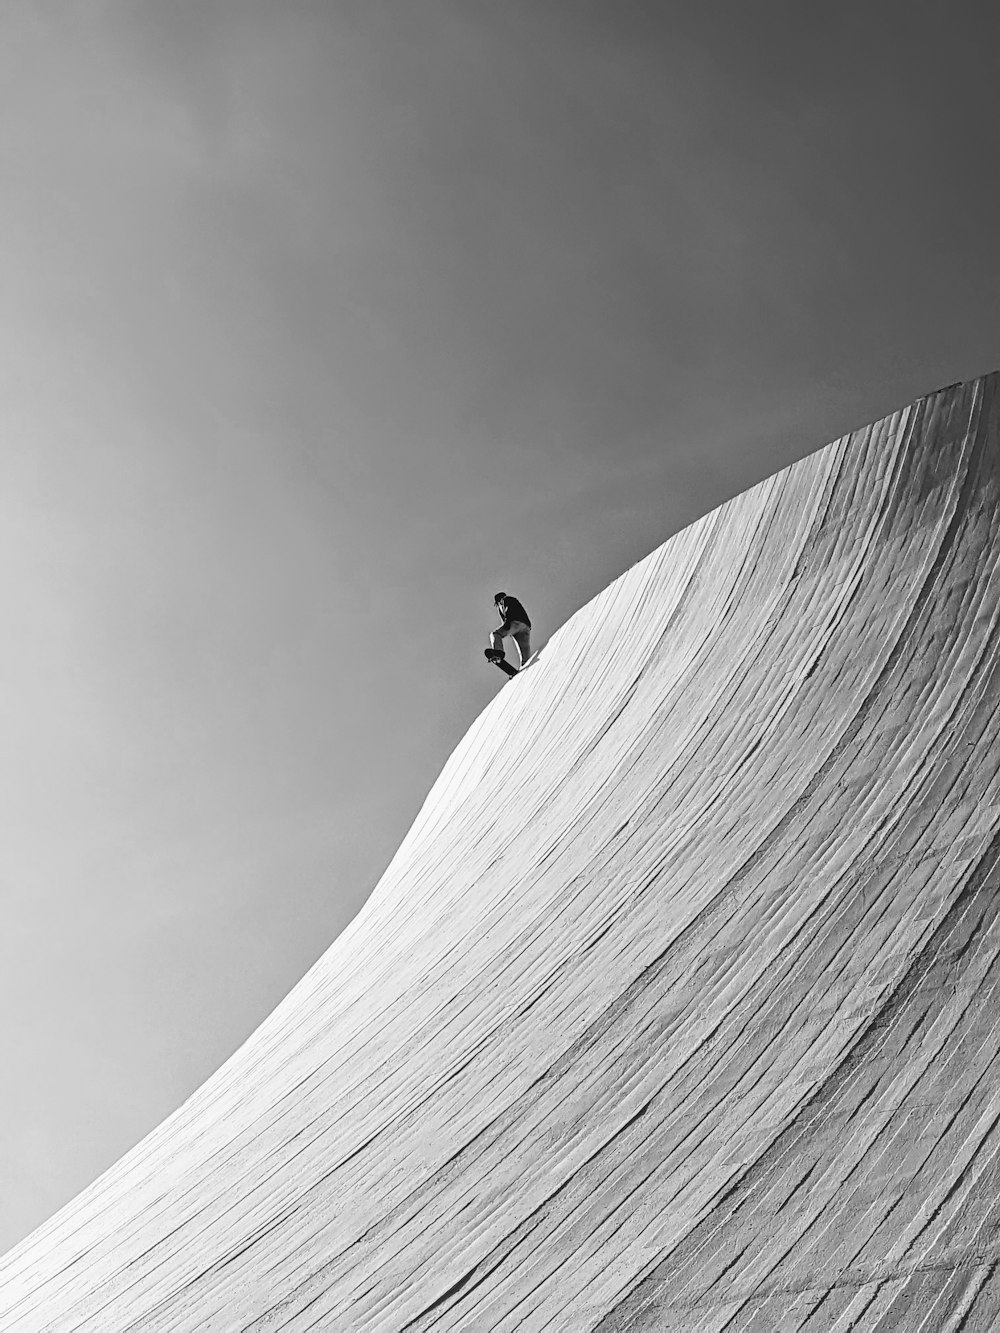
x: 521, y: 634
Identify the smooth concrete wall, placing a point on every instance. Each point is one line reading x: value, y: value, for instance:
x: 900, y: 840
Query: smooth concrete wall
x: 677, y: 1007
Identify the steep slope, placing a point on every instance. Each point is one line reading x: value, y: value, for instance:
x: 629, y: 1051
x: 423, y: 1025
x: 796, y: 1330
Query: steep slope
x: 677, y: 1006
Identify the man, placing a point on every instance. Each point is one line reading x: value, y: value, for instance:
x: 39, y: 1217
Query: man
x: 514, y: 625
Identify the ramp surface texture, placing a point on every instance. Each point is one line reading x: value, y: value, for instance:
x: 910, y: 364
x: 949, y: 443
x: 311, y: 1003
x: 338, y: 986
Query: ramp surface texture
x: 678, y: 1006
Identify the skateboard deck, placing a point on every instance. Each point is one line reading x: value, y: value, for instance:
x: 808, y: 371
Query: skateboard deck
x: 504, y: 665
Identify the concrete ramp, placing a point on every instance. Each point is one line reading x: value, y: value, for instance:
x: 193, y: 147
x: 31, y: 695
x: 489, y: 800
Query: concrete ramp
x: 678, y: 1006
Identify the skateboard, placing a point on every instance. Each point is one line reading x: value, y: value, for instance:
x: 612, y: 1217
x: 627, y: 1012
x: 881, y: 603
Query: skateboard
x: 500, y: 661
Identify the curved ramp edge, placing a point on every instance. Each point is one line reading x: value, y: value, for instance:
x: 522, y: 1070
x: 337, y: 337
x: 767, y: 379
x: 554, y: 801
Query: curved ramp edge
x: 677, y: 1006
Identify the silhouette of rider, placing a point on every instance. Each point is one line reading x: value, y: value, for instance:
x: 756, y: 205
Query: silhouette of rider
x: 514, y: 624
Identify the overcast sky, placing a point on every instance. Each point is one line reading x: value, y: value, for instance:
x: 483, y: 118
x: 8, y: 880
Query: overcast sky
x: 320, y: 322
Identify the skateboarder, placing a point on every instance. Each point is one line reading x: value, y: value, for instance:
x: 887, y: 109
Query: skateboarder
x: 514, y: 625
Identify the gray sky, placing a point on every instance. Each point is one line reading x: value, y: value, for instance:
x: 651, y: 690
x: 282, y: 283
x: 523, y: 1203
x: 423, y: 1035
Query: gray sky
x: 322, y: 321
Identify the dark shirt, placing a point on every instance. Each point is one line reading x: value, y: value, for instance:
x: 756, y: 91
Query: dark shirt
x: 511, y: 609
